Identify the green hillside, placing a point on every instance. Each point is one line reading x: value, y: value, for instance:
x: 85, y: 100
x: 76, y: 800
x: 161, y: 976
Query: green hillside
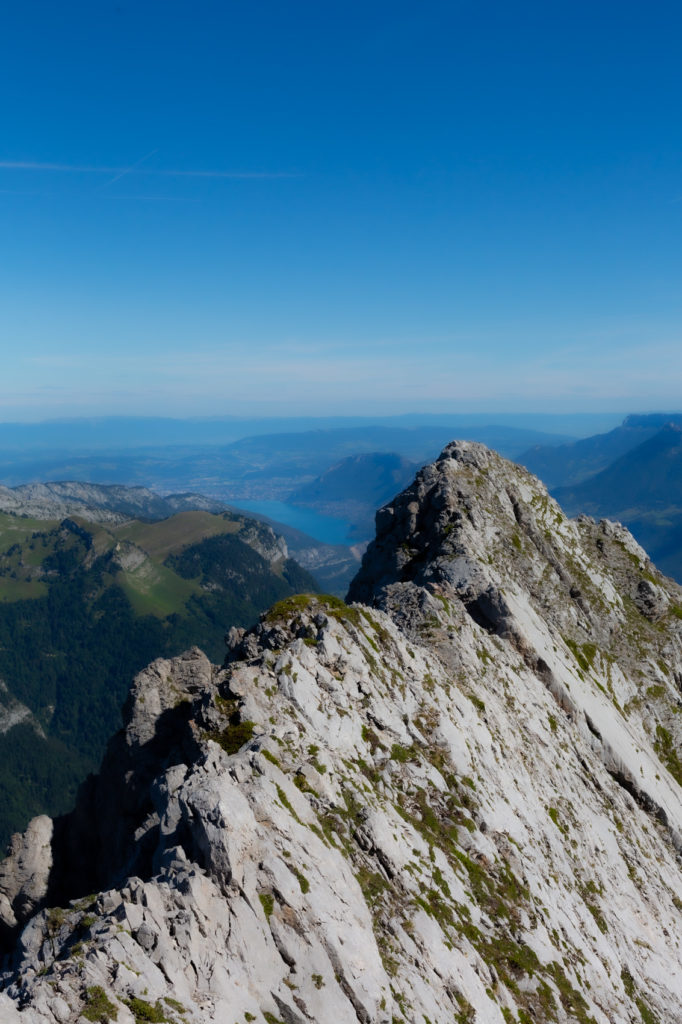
x: 169, y: 536
x: 83, y: 607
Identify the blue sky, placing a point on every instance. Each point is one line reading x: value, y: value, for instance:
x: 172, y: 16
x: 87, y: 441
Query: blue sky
x: 322, y: 207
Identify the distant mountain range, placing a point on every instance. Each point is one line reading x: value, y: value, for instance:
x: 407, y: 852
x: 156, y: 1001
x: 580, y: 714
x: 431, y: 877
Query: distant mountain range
x: 564, y: 464
x: 262, y: 466
x: 118, y: 433
x: 633, y: 474
x: 84, y: 605
x: 647, y: 477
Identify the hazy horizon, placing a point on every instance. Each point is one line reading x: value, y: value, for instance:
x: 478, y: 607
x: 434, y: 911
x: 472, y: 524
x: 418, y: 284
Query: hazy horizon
x: 28, y: 415
x: 124, y: 426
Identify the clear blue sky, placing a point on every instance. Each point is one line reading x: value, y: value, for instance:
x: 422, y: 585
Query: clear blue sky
x: 315, y: 207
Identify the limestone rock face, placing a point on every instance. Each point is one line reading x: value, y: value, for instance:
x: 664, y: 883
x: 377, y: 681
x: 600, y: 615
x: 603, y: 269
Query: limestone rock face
x: 25, y: 872
x: 263, y: 539
x: 458, y: 800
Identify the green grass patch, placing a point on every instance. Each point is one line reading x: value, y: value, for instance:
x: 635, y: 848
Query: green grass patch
x: 294, y: 605
x: 146, y: 1013
x: 286, y: 803
x: 268, y: 903
x: 584, y: 654
x: 597, y: 915
x: 403, y: 754
x: 372, y: 884
x: 554, y: 815
x: 383, y: 634
x: 667, y: 752
x: 156, y: 590
x: 646, y: 1013
x: 98, y: 1007
x: 288, y: 607
x: 302, y: 880
x: 234, y: 737
x: 174, y: 1004
x: 339, y: 610
x: 572, y: 1001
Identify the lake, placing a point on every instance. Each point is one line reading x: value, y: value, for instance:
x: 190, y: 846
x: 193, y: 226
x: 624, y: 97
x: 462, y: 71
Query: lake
x: 322, y: 528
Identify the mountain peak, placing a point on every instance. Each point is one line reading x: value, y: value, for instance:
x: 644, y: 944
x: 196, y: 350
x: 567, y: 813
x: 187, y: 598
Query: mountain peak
x: 460, y: 799
x: 469, y: 507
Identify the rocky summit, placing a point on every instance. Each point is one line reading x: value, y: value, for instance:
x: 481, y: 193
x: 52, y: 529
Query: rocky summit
x: 456, y: 798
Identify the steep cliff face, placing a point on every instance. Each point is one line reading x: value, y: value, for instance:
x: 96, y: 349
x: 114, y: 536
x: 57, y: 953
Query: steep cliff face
x: 457, y: 800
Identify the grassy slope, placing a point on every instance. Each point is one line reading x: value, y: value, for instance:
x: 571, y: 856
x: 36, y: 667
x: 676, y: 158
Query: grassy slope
x: 155, y: 590
x: 16, y: 529
x: 171, y: 535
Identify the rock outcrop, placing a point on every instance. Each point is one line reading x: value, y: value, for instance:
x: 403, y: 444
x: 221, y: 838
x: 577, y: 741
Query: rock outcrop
x: 457, y: 799
x: 25, y: 874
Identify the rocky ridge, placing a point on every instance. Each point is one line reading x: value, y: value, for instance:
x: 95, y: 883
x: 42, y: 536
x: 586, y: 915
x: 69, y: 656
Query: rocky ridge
x: 457, y: 800
x: 97, y: 503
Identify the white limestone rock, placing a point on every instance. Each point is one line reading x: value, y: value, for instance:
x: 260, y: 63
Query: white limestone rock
x: 24, y: 873
x: 458, y: 801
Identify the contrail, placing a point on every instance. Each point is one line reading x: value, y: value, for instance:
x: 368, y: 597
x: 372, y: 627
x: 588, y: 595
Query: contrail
x: 228, y: 174
x: 156, y: 199
x: 128, y: 170
x: 119, y: 172
x: 30, y: 165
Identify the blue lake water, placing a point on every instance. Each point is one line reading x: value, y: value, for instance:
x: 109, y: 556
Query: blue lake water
x: 322, y: 528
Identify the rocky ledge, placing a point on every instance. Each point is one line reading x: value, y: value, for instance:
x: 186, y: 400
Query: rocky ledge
x: 457, y: 799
